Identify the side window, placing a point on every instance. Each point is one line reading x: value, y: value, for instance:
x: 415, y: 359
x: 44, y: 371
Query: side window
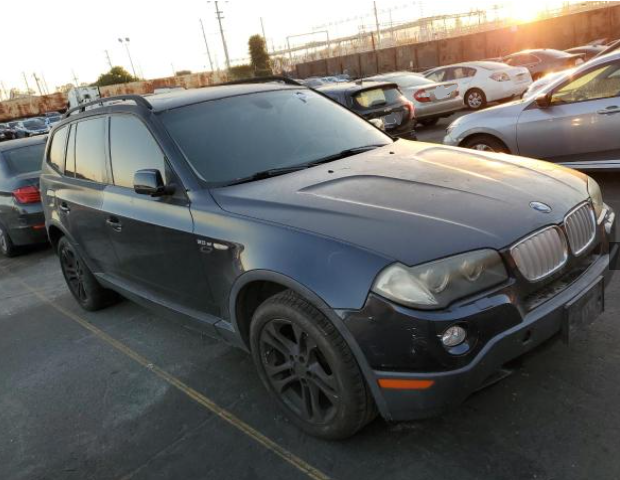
x: 70, y: 163
x: 57, y: 150
x: 459, y: 73
x: 515, y: 60
x: 437, y: 76
x: 90, y: 159
x: 602, y: 82
x: 132, y: 148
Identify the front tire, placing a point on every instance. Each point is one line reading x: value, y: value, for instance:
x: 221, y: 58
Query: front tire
x: 485, y: 143
x: 83, y: 285
x: 475, y: 99
x: 308, y: 368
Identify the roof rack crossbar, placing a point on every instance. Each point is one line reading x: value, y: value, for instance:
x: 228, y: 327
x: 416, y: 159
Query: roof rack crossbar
x: 276, y: 78
x: 140, y: 101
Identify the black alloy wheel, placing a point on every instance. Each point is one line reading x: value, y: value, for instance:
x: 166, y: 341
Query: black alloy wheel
x: 299, y: 372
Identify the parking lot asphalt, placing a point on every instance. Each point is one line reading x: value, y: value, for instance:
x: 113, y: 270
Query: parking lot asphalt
x: 125, y: 394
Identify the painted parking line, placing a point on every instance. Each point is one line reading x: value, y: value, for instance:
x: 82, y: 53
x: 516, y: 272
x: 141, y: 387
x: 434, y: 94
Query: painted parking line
x: 209, y: 404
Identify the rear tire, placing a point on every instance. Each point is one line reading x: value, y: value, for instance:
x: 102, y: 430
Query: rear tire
x: 83, y: 285
x: 309, y: 369
x: 6, y: 245
x: 485, y: 143
x: 475, y: 99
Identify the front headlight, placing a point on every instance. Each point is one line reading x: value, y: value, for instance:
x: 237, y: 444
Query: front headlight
x: 436, y: 284
x: 597, y: 198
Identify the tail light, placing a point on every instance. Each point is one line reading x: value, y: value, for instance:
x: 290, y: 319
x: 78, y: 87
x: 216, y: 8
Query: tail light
x: 27, y: 195
x: 422, y: 96
x: 500, y: 77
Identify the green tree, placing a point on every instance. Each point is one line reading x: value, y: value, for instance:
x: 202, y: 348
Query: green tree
x: 115, y: 76
x: 259, y: 58
x: 241, y: 72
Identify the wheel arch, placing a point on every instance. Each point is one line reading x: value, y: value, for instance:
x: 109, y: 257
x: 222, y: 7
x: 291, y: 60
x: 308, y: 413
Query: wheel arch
x: 241, y: 315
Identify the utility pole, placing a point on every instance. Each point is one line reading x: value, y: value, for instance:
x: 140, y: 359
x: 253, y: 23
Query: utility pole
x: 218, y: 15
x: 262, y: 27
x: 26, y: 81
x: 174, y: 72
x: 36, y: 80
x: 44, y: 83
x: 75, y: 79
x: 125, y: 42
x: 107, y: 56
x: 204, y: 35
x: 378, y: 29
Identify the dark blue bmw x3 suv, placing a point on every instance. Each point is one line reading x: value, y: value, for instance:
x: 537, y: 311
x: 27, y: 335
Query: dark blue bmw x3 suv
x: 363, y: 274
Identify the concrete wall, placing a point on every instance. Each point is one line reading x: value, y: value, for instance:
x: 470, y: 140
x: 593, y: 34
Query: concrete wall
x: 560, y: 33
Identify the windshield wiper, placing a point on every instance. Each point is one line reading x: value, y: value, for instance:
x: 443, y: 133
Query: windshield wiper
x: 344, y: 154
x: 274, y: 172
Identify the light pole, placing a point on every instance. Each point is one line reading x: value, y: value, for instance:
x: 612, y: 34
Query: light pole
x: 125, y: 42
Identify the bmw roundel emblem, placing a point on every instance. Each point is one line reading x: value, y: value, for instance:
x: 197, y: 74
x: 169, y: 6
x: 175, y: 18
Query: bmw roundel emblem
x: 540, y: 207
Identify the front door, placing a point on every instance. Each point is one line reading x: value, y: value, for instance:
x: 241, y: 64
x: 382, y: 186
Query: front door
x: 158, y: 256
x: 582, y: 122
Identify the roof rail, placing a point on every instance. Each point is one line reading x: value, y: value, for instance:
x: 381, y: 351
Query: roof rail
x: 140, y: 100
x: 273, y: 78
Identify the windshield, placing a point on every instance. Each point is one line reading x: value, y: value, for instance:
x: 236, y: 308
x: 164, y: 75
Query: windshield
x: 25, y: 159
x: 34, y: 124
x: 405, y: 80
x: 233, y: 138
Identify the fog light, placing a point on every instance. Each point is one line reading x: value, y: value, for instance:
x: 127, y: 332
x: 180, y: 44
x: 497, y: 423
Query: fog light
x: 453, y: 336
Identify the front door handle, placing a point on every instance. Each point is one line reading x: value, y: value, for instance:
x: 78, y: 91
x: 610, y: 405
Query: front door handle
x: 114, y: 223
x: 64, y: 207
x: 609, y: 110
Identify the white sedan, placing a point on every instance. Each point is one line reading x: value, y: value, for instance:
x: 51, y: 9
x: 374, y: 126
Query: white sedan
x: 483, y: 82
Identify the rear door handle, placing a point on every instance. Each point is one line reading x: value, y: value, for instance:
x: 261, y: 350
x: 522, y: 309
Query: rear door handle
x: 64, y: 207
x: 114, y: 223
x: 609, y: 110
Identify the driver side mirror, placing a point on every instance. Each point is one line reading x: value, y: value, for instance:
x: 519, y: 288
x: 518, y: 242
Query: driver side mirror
x: 150, y: 182
x: 543, y: 100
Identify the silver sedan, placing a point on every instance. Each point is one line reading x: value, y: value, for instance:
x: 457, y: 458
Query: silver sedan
x: 575, y: 120
x: 431, y: 100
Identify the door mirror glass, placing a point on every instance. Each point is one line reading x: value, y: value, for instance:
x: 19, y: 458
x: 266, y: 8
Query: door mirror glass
x: 150, y: 182
x: 543, y: 100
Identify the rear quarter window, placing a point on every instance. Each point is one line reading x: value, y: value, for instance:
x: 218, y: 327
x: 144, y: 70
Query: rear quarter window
x: 376, y: 97
x: 57, y: 149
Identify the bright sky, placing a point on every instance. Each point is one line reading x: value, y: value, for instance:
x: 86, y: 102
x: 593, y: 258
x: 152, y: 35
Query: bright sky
x: 56, y: 38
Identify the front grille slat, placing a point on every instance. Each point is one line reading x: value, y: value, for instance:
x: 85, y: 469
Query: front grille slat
x: 541, y: 254
x: 581, y: 228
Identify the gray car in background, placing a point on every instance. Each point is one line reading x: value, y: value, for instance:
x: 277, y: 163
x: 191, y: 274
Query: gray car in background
x: 543, y: 61
x: 21, y: 213
x: 431, y: 100
x: 575, y: 120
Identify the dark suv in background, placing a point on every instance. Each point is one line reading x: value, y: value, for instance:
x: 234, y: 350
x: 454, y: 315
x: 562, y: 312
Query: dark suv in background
x: 381, y: 102
x: 21, y: 215
x: 363, y: 274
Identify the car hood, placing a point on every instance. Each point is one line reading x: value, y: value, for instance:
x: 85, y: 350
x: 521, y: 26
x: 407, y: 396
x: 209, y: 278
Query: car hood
x: 414, y: 202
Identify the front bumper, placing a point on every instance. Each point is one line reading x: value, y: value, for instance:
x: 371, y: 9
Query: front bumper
x: 412, y: 355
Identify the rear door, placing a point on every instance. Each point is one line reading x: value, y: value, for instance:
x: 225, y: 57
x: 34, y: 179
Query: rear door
x: 582, y: 123
x: 79, y: 202
x: 153, y: 237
